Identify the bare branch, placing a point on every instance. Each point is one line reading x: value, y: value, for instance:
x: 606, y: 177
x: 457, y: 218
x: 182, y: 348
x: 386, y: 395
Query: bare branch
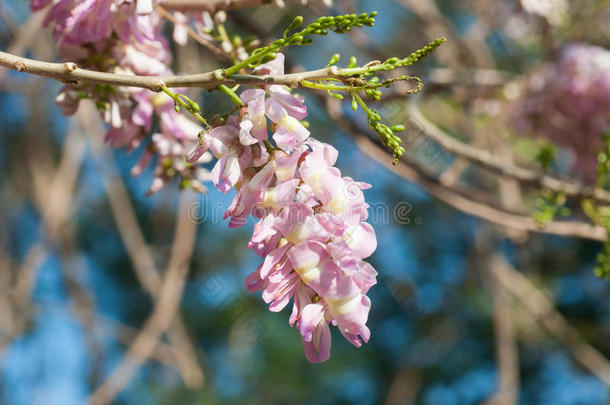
x: 507, y: 352
x: 193, y: 34
x: 165, y: 308
x: 489, y: 161
x: 137, y: 248
x: 464, y: 203
x: 538, y: 303
x: 107, y: 326
x: 211, y: 5
x: 69, y: 72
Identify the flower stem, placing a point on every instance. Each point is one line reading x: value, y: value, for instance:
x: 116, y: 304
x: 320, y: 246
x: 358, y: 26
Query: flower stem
x: 231, y: 93
x: 190, y: 106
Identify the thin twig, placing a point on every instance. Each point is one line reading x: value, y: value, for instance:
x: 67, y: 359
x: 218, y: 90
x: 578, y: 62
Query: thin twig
x: 464, y: 203
x: 541, y: 307
x: 137, y: 248
x: 69, y: 72
x: 489, y: 161
x: 193, y: 34
x: 211, y: 5
x: 165, y: 308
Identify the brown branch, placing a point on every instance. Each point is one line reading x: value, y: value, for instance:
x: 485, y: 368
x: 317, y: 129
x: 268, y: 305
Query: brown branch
x: 53, y: 191
x: 137, y: 248
x: 165, y: 308
x: 489, y: 161
x: 507, y: 352
x: 193, y: 34
x: 163, y: 353
x: 461, y: 201
x: 404, y: 388
x: 69, y: 72
x: 538, y: 303
x: 453, y: 196
x: 211, y: 5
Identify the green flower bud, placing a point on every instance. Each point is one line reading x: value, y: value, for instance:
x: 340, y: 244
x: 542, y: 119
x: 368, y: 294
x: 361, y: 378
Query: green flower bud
x: 296, y: 23
x: 269, y: 57
x: 334, y: 59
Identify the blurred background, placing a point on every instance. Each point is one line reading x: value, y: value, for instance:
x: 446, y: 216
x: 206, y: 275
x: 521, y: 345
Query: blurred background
x: 464, y: 312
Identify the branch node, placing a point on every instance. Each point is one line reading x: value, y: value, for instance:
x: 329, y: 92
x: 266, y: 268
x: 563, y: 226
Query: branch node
x: 333, y: 70
x: 157, y: 87
x: 71, y: 66
x: 20, y: 66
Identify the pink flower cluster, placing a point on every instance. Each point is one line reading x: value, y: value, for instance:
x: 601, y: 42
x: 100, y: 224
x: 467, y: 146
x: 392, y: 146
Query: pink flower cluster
x: 124, y: 36
x: 569, y: 103
x: 310, y: 230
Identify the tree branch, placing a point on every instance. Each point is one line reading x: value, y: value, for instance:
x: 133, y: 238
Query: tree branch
x: 69, y: 72
x: 506, y: 348
x: 540, y: 305
x: 464, y: 203
x: 489, y: 161
x: 165, y: 309
x: 211, y: 5
x: 455, y: 197
x: 139, y: 252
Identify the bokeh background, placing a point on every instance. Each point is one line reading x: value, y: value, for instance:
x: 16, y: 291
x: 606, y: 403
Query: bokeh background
x: 71, y: 302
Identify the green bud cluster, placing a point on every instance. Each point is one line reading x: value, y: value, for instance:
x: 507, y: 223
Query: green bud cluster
x: 602, y: 267
x: 339, y: 24
x: 550, y: 205
x: 389, y: 139
x: 419, y: 54
x: 352, y: 79
x: 342, y: 23
x: 603, y: 163
x: 545, y: 156
x: 386, y: 133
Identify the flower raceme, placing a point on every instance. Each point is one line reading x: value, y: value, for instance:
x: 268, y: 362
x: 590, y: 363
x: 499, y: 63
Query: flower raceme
x: 124, y: 36
x: 310, y: 230
x: 569, y: 103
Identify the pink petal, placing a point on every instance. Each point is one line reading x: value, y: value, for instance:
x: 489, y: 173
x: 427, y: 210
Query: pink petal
x: 272, y: 259
x: 312, y: 262
x: 274, y: 67
x: 195, y: 153
x: 311, y: 316
x: 284, y: 139
x: 318, y: 350
x: 291, y: 104
x: 226, y: 173
x: 244, y: 133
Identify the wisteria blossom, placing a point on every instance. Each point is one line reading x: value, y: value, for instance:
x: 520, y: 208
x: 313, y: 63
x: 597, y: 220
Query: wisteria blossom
x: 310, y: 230
x: 569, y: 103
x: 124, y: 36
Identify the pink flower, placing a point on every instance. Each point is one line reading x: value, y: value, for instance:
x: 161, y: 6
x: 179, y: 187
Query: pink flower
x: 569, y: 104
x: 310, y: 232
x: 128, y: 35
